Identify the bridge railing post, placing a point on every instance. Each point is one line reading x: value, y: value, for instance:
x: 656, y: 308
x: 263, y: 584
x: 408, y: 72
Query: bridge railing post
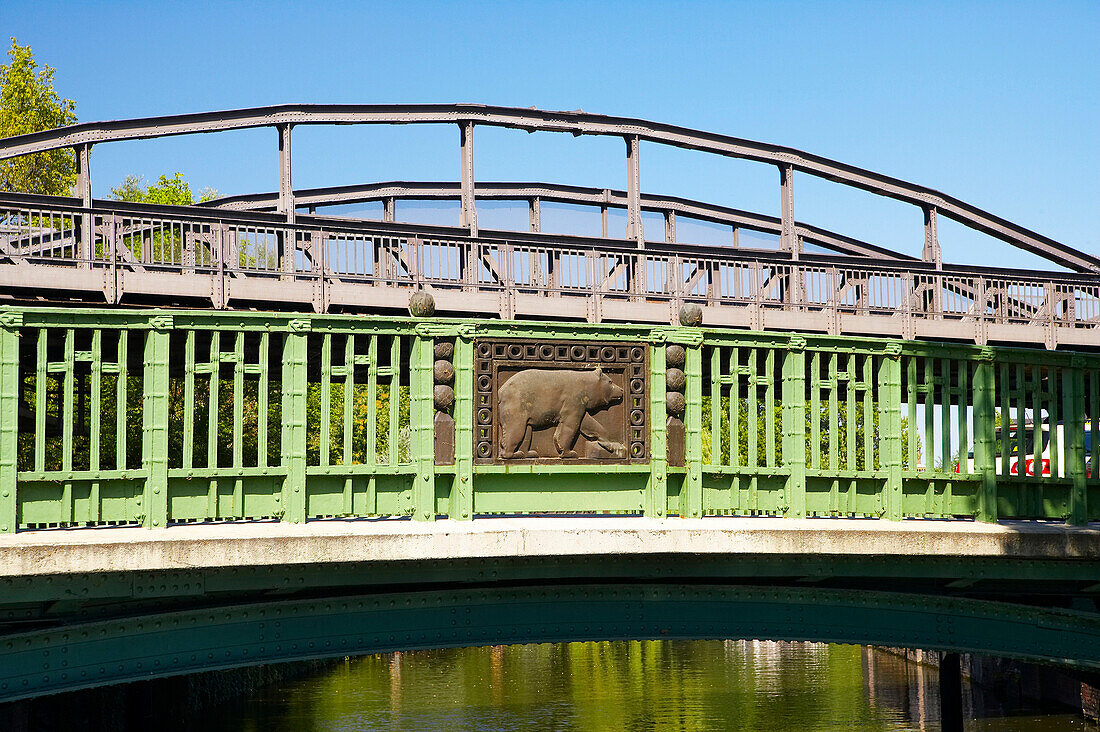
x: 9, y: 418
x: 985, y: 436
x: 794, y: 425
x: 422, y: 415
x: 295, y: 383
x: 462, y: 496
x: 889, y: 428
x: 1073, y: 431
x: 155, y: 421
x: 656, y: 500
x: 691, y: 495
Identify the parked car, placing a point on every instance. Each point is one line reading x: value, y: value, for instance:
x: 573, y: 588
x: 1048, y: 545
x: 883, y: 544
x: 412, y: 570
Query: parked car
x: 1028, y: 458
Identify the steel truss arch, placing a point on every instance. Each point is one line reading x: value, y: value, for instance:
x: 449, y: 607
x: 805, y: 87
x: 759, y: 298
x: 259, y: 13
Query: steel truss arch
x: 559, y: 193
x: 283, y: 117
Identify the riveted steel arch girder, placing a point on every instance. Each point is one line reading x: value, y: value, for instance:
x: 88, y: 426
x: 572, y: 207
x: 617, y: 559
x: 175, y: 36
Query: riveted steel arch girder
x: 558, y: 193
x: 156, y: 645
x: 577, y: 123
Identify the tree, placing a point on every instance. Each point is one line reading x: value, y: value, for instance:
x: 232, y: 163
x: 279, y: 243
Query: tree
x: 28, y: 103
x: 174, y: 191
x: 862, y: 433
x: 161, y: 244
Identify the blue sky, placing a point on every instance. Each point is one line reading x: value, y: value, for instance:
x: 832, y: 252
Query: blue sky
x: 995, y: 103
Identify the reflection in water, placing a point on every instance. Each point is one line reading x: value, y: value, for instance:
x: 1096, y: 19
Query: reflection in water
x: 635, y: 685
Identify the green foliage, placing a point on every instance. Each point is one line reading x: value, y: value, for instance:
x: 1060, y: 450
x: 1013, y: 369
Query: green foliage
x: 174, y: 191
x: 28, y: 103
x: 162, y: 244
x: 223, y: 423
x: 360, y: 412
x: 856, y: 425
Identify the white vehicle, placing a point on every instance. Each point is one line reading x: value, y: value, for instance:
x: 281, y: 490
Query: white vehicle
x: 1029, y: 467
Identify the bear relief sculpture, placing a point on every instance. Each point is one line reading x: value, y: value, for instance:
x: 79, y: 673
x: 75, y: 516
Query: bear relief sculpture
x: 538, y: 399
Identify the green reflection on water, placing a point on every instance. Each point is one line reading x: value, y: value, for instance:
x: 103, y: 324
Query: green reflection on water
x: 634, y: 685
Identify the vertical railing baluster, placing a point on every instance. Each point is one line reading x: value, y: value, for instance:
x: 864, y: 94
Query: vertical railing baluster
x: 1021, y: 432
x: 1073, y: 430
x: 326, y: 398
x: 121, y: 397
x: 850, y: 409
x: 9, y: 420
x: 1053, y: 381
x: 752, y: 416
x: 889, y: 425
x: 769, y: 410
x: 262, y: 388
x: 238, y: 422
x: 1036, y: 421
x: 155, y: 421
x: 422, y: 427
x: 794, y: 426
x: 814, y: 378
x: 945, y: 412
x: 868, y: 414
x: 67, y: 414
x: 691, y: 501
x: 462, y: 506
x: 1094, y: 425
x: 834, y: 413
x: 349, y: 402
x: 735, y: 407
x: 985, y: 434
x: 395, y: 400
x: 715, y: 405
x: 1004, y: 391
x: 212, y: 416
x: 961, y: 416
x: 40, y: 376
x: 656, y: 499
x: 189, y: 400
x: 929, y: 416
x: 911, y: 411
x: 372, y: 403
x: 348, y: 421
x: 95, y: 414
x: 295, y: 394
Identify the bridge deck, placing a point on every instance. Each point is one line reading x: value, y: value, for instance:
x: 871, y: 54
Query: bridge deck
x: 335, y: 542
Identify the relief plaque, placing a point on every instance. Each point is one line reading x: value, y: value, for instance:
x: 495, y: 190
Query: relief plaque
x: 551, y: 401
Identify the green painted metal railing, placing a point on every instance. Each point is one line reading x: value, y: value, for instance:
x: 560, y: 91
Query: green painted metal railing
x: 162, y: 417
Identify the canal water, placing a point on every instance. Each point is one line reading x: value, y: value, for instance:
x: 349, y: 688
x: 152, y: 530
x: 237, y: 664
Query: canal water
x: 634, y: 685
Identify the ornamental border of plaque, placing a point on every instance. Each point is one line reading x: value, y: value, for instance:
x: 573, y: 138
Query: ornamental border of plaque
x: 491, y: 354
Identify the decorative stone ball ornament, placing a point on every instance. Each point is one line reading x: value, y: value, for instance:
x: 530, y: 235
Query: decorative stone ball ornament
x: 422, y: 304
x: 444, y: 351
x: 444, y: 398
x: 675, y: 404
x: 691, y: 314
x: 443, y: 373
x: 675, y: 380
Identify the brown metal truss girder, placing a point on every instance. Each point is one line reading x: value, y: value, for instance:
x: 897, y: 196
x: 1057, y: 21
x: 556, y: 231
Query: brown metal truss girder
x: 576, y: 123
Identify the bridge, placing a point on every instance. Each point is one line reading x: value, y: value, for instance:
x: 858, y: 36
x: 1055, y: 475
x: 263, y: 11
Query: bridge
x: 229, y: 255
x: 213, y: 418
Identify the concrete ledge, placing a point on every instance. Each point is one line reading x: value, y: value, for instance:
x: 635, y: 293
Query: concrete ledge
x: 270, y: 544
